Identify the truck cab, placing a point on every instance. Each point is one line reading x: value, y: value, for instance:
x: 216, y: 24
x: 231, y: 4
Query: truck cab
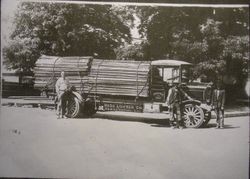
x: 195, y: 111
x: 165, y: 71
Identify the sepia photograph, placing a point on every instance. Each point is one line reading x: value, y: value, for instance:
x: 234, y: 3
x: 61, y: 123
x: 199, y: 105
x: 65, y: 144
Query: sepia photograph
x: 124, y: 90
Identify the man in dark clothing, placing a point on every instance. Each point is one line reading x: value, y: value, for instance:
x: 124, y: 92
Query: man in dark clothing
x: 173, y: 101
x: 218, y: 101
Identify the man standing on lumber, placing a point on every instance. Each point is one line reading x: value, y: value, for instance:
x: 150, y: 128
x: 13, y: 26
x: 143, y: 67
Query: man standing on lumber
x: 62, y: 87
x: 218, y: 101
x: 174, y: 103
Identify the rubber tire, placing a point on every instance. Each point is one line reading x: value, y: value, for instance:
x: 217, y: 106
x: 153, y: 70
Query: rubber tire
x: 75, y: 104
x: 89, y: 108
x: 191, y: 112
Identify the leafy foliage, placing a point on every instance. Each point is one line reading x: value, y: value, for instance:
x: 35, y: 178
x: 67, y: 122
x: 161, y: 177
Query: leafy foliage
x: 132, y: 52
x: 214, y: 39
x: 66, y: 30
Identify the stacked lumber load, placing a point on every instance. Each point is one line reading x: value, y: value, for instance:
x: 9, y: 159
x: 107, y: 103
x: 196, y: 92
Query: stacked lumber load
x: 121, y: 78
x: 48, y: 70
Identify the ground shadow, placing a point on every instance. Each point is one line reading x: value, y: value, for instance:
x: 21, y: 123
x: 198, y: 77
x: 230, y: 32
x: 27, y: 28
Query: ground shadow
x: 159, y: 123
x: 154, y: 122
x: 226, y: 126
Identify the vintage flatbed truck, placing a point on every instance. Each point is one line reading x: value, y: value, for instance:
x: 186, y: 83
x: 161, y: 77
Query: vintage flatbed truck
x: 134, y: 86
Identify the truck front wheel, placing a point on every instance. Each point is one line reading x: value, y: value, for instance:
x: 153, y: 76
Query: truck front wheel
x: 193, y: 116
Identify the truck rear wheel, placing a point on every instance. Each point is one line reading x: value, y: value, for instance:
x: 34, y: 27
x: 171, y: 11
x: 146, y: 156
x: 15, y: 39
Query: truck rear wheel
x: 73, y: 107
x: 193, y: 116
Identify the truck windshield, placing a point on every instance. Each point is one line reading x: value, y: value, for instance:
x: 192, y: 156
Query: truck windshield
x: 173, y: 74
x: 170, y: 74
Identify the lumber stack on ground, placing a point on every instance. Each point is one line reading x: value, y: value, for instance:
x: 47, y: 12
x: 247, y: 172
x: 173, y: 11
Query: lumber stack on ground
x: 122, y: 78
x: 48, y: 70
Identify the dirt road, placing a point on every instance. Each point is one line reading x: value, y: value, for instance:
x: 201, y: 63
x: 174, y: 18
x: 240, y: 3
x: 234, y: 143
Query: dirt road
x: 33, y: 143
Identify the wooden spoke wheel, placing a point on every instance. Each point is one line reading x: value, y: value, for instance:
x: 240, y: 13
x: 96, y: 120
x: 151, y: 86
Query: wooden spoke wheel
x: 73, y: 107
x: 193, y: 116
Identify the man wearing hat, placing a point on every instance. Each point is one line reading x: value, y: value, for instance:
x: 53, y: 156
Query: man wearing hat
x: 173, y: 101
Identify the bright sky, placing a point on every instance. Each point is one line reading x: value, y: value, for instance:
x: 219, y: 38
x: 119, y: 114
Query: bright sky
x: 8, y: 9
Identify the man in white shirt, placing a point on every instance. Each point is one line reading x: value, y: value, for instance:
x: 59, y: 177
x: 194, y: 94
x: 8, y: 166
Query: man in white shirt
x: 62, y: 87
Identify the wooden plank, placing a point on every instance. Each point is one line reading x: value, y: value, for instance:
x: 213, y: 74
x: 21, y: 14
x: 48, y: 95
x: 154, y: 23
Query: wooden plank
x: 48, y: 69
x: 65, y: 69
x: 120, y: 69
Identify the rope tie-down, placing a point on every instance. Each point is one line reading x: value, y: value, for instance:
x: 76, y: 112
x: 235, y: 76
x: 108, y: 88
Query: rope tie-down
x: 51, y: 79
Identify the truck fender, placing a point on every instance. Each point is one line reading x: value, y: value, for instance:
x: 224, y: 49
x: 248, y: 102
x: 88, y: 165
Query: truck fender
x: 192, y: 101
x: 205, y: 107
x: 78, y: 96
x: 206, y: 110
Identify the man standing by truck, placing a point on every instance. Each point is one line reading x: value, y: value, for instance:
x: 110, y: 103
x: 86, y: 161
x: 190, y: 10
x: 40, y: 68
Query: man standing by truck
x: 174, y: 103
x: 218, y: 101
x: 62, y: 90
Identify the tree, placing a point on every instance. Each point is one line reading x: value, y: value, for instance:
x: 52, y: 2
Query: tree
x: 202, y: 36
x: 224, y: 56
x: 66, y: 30
x: 165, y: 28
x: 132, y: 52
